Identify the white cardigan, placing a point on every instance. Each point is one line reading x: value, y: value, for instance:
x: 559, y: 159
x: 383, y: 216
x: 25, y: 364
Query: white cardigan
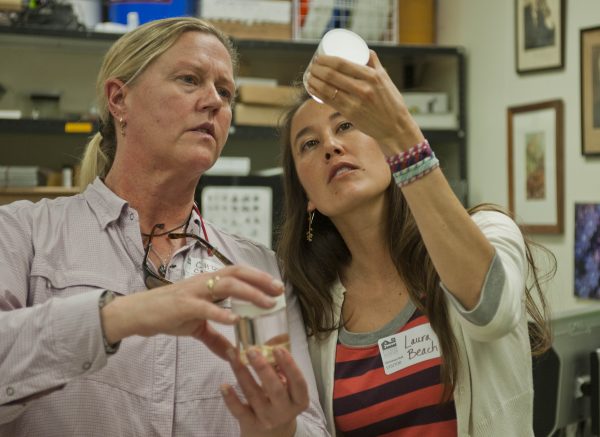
x: 494, y: 392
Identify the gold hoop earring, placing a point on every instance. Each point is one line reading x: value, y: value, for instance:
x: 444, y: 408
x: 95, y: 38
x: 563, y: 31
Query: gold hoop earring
x: 309, y: 232
x: 122, y: 125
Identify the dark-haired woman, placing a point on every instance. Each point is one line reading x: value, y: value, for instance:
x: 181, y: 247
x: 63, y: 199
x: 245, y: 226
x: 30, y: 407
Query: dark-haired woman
x: 417, y: 309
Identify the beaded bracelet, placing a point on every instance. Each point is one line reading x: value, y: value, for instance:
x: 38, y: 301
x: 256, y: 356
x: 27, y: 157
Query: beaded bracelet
x: 413, y: 164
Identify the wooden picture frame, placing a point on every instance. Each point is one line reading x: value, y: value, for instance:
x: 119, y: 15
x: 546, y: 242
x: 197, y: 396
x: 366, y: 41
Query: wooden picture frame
x: 590, y: 91
x: 535, y: 166
x: 539, y: 35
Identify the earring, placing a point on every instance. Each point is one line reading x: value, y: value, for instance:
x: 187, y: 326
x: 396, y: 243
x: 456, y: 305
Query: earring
x: 309, y: 232
x: 122, y: 125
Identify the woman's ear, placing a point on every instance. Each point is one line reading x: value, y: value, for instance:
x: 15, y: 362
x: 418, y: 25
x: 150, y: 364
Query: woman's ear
x: 115, y: 91
x: 310, y: 207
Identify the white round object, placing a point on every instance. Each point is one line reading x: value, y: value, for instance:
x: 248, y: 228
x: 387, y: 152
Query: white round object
x: 248, y: 309
x: 345, y: 44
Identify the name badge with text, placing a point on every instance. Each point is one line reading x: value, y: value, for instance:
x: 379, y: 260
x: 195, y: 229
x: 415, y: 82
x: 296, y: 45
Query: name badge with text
x: 193, y: 266
x: 408, y: 348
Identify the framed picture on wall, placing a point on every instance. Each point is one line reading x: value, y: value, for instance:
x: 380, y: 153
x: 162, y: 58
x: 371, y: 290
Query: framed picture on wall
x: 535, y: 166
x: 587, y: 250
x: 539, y: 35
x: 590, y: 91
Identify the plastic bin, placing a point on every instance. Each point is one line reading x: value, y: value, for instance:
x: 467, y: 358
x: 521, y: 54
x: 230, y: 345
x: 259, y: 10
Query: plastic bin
x: 149, y: 11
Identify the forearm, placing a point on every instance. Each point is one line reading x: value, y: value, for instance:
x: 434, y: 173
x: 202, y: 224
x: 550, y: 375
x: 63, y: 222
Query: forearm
x: 458, y: 249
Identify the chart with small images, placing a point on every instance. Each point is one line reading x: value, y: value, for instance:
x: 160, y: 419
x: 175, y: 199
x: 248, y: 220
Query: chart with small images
x: 244, y: 211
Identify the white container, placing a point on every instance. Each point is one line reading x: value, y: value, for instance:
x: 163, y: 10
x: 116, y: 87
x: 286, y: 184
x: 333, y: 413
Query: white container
x: 344, y: 44
x: 67, y: 176
x: 261, y: 329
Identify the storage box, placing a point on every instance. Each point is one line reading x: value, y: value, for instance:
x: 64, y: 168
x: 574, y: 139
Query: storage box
x: 267, y: 95
x: 260, y: 31
x: 250, y: 19
x: 257, y: 115
x: 150, y: 10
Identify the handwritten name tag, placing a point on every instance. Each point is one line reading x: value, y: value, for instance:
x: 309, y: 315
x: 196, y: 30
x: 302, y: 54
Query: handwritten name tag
x: 408, y: 348
x: 194, y: 266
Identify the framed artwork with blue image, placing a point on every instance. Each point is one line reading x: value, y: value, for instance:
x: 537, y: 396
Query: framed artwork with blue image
x: 587, y: 250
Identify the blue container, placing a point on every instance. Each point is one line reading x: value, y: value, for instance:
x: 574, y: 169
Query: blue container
x: 150, y: 10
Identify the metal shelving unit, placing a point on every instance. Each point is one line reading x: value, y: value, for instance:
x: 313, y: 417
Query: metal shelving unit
x: 431, y: 68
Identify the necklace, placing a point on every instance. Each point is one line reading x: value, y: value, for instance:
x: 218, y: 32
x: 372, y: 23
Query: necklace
x: 164, y: 262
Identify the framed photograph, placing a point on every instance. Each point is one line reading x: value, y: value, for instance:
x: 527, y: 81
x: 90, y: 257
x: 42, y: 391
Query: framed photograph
x: 590, y: 91
x: 535, y: 166
x: 587, y: 250
x: 539, y: 35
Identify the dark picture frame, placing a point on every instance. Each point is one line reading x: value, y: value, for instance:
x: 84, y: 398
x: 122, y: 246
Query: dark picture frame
x: 536, y: 167
x: 590, y: 91
x: 539, y: 35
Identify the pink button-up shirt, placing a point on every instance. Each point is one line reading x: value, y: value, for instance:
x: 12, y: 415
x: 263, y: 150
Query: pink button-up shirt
x: 56, y: 258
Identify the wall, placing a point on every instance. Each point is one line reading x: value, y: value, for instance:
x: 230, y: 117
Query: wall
x: 486, y: 29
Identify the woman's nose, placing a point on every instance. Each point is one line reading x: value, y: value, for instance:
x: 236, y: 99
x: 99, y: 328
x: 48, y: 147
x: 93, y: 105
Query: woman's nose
x: 210, y: 99
x: 333, y: 149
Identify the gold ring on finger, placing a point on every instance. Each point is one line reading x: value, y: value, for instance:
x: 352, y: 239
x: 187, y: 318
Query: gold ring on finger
x: 210, y: 285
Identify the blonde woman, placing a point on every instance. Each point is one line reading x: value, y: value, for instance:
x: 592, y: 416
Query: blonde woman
x: 112, y: 327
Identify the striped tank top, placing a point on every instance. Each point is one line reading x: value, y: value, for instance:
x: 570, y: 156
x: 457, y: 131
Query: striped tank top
x: 367, y: 402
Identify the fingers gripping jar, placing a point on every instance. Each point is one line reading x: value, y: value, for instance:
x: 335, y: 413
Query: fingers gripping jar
x: 342, y: 43
x: 261, y: 329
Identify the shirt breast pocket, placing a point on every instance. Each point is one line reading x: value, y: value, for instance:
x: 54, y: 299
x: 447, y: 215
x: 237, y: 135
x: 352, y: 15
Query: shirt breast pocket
x: 132, y: 367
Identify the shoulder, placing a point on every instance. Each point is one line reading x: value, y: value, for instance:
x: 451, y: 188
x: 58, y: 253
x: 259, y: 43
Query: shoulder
x: 244, y: 250
x: 44, y: 218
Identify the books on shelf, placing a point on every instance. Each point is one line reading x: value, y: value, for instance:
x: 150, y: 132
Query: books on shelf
x: 21, y: 176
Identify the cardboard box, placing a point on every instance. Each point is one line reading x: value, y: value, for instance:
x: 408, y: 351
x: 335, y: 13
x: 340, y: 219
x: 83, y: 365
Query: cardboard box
x: 257, y: 115
x: 260, y: 31
x: 267, y: 95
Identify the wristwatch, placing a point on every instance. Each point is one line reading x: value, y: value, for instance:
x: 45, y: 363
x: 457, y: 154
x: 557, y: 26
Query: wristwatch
x: 105, y: 298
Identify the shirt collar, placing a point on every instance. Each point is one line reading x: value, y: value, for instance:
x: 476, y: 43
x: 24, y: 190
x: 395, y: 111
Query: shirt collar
x: 105, y: 204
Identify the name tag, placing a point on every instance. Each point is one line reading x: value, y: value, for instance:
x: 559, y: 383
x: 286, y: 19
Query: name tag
x: 193, y: 266
x: 408, y: 348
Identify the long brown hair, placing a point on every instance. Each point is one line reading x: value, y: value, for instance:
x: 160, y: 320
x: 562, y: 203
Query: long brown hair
x: 312, y: 268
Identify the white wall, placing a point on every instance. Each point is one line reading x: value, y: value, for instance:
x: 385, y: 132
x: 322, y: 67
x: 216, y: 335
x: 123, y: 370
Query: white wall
x: 485, y: 28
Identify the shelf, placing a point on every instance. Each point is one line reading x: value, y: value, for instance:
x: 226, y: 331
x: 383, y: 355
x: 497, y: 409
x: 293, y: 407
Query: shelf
x: 50, y: 191
x: 242, y: 44
x: 12, y: 194
x: 47, y: 126
x: 55, y: 126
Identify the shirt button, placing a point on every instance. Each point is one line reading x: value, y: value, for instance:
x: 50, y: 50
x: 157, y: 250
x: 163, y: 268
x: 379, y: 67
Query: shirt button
x: 131, y: 216
x: 10, y: 391
x: 86, y: 365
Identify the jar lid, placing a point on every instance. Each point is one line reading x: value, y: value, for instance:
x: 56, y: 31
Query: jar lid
x: 345, y: 44
x: 247, y: 309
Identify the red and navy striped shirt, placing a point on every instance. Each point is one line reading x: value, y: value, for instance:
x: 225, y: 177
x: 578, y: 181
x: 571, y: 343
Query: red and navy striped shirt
x: 367, y: 402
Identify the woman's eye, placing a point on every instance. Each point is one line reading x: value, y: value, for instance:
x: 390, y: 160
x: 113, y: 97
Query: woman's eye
x: 308, y: 144
x: 226, y: 94
x: 189, y: 79
x: 344, y: 126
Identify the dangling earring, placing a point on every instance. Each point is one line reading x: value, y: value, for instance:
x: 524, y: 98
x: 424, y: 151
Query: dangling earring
x: 122, y: 125
x: 309, y: 232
